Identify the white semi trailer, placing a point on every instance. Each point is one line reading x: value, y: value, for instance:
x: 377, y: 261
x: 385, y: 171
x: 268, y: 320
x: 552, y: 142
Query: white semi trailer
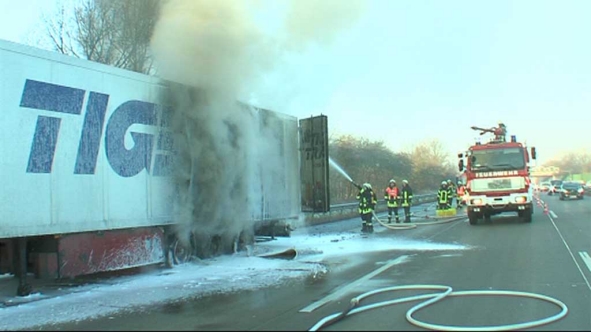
x: 87, y: 167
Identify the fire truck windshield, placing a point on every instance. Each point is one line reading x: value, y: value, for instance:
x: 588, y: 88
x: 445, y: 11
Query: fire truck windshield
x: 497, y: 159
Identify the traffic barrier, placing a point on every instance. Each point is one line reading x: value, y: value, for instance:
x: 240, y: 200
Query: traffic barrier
x: 350, y: 210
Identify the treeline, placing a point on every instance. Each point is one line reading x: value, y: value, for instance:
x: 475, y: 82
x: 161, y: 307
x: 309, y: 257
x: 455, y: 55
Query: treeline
x: 424, y: 166
x: 572, y: 162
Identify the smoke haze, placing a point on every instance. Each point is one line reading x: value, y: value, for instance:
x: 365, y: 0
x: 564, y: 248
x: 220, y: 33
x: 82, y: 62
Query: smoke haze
x: 235, y: 163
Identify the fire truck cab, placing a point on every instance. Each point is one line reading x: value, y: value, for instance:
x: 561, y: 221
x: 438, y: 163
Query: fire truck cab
x: 497, y: 177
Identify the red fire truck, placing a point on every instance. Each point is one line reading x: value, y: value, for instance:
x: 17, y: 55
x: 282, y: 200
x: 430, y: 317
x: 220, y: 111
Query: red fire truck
x: 497, y: 177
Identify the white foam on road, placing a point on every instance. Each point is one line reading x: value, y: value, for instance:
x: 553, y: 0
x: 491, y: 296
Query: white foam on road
x: 213, y: 276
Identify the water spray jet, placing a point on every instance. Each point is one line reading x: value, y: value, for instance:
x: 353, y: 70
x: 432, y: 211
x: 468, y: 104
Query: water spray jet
x: 342, y: 171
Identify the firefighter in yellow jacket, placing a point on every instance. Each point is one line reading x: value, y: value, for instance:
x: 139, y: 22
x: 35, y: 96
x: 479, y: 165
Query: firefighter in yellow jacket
x: 392, y: 197
x: 442, y: 197
x: 451, y: 193
x: 406, y: 199
x: 367, y: 203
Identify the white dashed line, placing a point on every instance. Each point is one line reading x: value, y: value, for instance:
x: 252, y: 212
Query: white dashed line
x: 571, y: 253
x: 350, y: 287
x: 585, y: 256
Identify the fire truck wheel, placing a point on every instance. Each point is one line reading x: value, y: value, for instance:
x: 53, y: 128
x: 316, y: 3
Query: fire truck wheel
x: 472, y: 218
x: 527, y: 216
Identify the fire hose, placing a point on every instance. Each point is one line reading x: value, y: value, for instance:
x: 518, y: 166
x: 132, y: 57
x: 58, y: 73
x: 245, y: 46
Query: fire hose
x: 447, y: 291
x: 415, y: 224
x: 408, y: 225
x: 354, y: 306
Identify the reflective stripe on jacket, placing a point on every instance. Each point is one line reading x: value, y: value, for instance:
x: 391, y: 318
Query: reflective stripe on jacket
x: 442, y: 195
x: 367, y: 200
x: 392, y: 196
x: 406, y: 196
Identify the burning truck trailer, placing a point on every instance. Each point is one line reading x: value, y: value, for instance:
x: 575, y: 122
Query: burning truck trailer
x: 106, y: 169
x: 497, y: 177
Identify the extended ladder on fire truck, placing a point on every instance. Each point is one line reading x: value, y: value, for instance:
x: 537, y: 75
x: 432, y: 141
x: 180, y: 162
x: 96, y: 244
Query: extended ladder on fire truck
x: 500, y: 132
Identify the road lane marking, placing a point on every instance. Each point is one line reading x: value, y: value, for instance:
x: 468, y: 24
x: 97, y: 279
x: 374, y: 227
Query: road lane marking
x: 570, y: 252
x: 339, y: 292
x: 553, y: 214
x: 586, y: 259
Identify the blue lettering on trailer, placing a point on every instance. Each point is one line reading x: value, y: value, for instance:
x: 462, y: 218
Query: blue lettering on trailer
x: 163, y: 162
x: 92, y: 131
x: 52, y: 97
x: 44, y: 143
x: 126, y: 163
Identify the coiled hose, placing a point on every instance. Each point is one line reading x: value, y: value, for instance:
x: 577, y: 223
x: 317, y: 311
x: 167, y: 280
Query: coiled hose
x: 354, y: 307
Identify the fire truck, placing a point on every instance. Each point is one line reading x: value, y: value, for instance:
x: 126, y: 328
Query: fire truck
x: 497, y: 176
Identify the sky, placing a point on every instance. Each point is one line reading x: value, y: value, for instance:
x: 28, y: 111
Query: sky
x: 407, y: 71
x: 245, y: 270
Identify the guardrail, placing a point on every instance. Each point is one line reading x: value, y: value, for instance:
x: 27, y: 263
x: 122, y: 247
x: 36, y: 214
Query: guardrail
x: 348, y: 210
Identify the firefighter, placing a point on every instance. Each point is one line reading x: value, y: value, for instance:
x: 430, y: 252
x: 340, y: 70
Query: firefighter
x: 406, y: 200
x: 451, y: 193
x: 460, y: 195
x: 392, y: 196
x: 442, y: 197
x: 500, y: 132
x: 367, y: 203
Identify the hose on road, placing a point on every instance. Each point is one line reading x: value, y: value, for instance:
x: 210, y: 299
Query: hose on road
x: 354, y: 307
x: 415, y: 224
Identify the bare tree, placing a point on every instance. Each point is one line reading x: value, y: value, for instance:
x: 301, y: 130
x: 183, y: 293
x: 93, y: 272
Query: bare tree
x: 364, y: 161
x: 59, y: 30
x: 430, y: 165
x: 138, y: 18
x: 113, y: 32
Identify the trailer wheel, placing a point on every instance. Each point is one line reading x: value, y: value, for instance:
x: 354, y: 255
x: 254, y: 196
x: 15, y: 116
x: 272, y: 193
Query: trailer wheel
x: 180, y: 253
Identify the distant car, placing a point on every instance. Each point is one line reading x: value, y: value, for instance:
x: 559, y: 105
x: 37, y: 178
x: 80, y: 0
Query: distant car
x: 554, y: 186
x: 544, y: 186
x: 572, y: 190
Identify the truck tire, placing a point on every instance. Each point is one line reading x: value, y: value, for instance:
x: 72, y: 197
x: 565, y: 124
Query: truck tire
x: 180, y: 253
x: 472, y: 218
x: 527, y: 216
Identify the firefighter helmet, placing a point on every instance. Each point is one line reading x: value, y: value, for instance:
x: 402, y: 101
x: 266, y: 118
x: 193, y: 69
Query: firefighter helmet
x: 393, y: 181
x: 443, y: 182
x: 367, y: 185
x: 405, y: 181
